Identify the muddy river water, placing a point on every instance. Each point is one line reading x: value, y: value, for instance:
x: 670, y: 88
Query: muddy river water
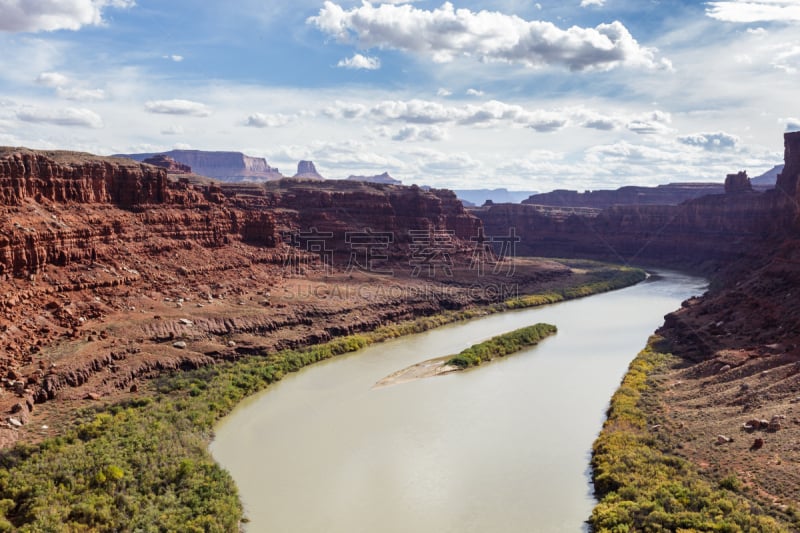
x: 502, y: 448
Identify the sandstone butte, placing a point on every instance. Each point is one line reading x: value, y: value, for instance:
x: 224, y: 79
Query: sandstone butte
x: 106, y: 264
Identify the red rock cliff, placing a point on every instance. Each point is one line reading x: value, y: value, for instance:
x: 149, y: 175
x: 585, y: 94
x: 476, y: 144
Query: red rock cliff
x: 61, y: 207
x: 71, y: 177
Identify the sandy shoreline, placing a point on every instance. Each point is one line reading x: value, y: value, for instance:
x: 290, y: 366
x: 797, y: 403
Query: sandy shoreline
x: 426, y: 369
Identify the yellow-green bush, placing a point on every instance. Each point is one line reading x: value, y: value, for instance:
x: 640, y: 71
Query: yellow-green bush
x: 643, y: 488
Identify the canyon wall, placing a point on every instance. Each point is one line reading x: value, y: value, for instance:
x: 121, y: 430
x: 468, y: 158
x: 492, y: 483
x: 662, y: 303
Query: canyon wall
x: 702, y: 234
x: 61, y: 207
x: 27, y: 175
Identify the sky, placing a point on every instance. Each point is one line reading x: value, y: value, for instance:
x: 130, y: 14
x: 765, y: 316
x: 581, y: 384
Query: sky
x: 521, y: 94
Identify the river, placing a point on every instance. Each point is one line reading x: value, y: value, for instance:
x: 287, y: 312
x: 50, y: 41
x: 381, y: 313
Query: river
x: 502, y: 448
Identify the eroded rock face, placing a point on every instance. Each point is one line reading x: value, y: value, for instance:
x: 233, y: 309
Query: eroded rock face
x: 338, y: 207
x: 131, y: 203
x: 708, y: 230
x: 27, y: 175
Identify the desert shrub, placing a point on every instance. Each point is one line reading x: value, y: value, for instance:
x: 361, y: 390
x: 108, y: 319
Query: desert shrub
x: 502, y: 345
x: 643, y: 488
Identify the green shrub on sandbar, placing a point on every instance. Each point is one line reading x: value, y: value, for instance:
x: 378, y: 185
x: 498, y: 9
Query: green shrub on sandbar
x: 502, y: 345
x: 641, y: 487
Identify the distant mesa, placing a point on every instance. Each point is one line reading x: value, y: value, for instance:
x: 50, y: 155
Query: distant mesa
x: 384, y: 178
x: 166, y: 162
x: 768, y: 179
x: 669, y: 194
x: 225, y: 166
x: 307, y: 171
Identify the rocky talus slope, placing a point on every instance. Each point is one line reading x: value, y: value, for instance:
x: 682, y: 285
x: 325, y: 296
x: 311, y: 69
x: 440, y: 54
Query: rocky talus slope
x: 733, y: 403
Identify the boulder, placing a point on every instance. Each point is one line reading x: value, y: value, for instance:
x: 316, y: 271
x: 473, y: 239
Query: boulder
x: 775, y: 423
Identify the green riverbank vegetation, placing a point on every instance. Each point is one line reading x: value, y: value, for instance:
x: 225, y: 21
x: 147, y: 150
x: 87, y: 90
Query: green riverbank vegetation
x: 502, y: 345
x: 642, y: 487
x: 143, y: 464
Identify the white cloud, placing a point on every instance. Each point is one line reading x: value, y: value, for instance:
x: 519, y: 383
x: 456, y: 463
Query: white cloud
x: 176, y: 58
x: 417, y: 133
x: 262, y: 120
x: 172, y: 130
x: 360, y: 62
x: 496, y: 113
x: 69, y: 116
x: 651, y: 123
x: 788, y: 58
x: 601, y: 124
x: 80, y: 94
x: 177, y: 107
x: 52, y: 79
x: 444, y: 93
x: 748, y: 11
x: 414, y: 111
x: 446, y: 33
x: 43, y: 15
x: 434, y: 162
x: 665, y: 160
x: 547, y: 125
x: 594, y: 120
x: 61, y: 82
x: 711, y: 141
x: 345, y: 110
x: 474, y: 92
x: 598, y: 3
x: 349, y: 155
